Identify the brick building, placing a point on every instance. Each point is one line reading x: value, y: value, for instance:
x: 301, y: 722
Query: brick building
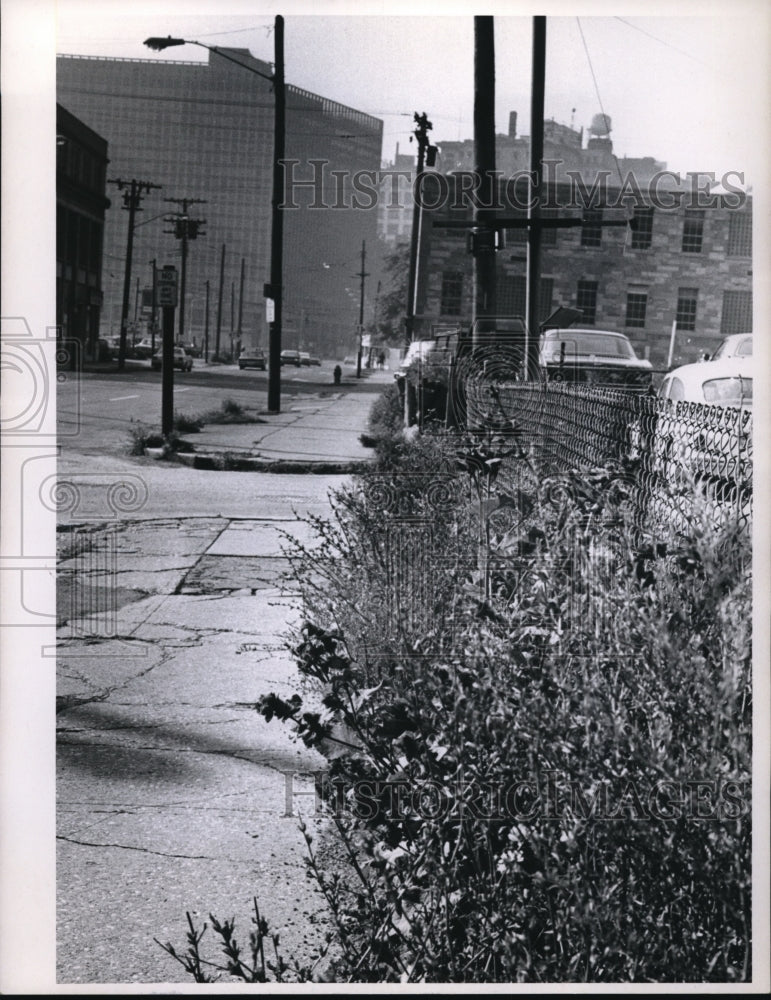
x: 205, y: 130
x: 81, y: 203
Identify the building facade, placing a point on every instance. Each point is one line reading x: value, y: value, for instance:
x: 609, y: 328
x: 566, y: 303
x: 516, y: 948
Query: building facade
x: 204, y: 130
x: 81, y: 204
x: 687, y: 259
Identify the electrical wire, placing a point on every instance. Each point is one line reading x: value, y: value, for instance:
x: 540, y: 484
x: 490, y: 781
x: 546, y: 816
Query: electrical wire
x: 661, y: 41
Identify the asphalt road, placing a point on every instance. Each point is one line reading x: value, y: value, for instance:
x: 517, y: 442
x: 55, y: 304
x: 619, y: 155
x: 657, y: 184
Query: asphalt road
x: 96, y: 411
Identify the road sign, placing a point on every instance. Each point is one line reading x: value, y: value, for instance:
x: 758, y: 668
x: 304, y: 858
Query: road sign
x: 167, y: 287
x: 270, y: 311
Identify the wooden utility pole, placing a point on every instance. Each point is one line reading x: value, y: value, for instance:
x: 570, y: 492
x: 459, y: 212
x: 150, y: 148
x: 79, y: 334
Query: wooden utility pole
x: 484, y: 150
x: 132, y: 202
x: 423, y: 126
x: 534, y: 230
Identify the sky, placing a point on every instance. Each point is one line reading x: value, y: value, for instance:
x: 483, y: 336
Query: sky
x: 688, y: 89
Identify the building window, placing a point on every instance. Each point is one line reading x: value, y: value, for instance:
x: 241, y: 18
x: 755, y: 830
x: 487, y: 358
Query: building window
x: 642, y: 229
x: 452, y: 293
x: 636, y: 306
x: 737, y: 312
x: 686, y: 308
x: 693, y: 230
x: 586, y: 301
x: 591, y: 230
x: 740, y: 234
x: 512, y: 296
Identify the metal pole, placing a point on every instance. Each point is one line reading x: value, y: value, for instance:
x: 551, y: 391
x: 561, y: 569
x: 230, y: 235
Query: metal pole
x: 167, y: 380
x: 277, y: 223
x: 206, y: 327
x: 154, y: 310
x: 534, y: 234
x: 362, y: 276
x: 219, y: 304
x: 241, y: 301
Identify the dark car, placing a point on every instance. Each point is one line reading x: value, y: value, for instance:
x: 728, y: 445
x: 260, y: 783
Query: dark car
x: 182, y: 360
x: 251, y: 359
x: 291, y: 358
x: 593, y: 357
x: 192, y: 350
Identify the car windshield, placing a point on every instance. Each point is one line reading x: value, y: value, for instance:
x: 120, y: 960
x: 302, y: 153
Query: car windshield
x: 588, y: 344
x: 728, y: 391
x: 743, y: 349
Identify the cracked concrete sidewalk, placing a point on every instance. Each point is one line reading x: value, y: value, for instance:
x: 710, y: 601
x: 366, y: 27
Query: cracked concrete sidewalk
x: 173, y: 795
x: 172, y: 790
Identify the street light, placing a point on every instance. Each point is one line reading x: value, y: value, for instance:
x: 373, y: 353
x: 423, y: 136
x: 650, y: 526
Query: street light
x: 274, y: 289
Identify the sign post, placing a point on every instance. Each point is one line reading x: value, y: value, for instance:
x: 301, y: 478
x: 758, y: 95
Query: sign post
x: 167, y: 299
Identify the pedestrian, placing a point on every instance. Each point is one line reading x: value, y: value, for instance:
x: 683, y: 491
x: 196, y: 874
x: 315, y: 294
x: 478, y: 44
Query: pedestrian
x: 337, y: 373
x: 381, y: 359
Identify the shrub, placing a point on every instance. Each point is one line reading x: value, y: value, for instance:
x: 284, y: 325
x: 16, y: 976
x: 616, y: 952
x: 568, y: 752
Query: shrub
x: 142, y: 437
x: 186, y: 424
x: 609, y: 686
x: 538, y: 730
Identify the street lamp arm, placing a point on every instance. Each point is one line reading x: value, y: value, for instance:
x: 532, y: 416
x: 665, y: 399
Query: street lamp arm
x: 159, y: 44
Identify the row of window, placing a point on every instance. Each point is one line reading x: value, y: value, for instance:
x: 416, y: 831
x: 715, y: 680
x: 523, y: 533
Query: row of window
x: 692, y: 241
x: 736, y: 315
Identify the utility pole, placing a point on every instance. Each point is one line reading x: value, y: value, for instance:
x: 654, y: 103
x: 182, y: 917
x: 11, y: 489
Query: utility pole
x: 277, y: 223
x: 241, y: 302
x: 361, y: 275
x: 535, y: 229
x: 219, y: 304
x: 421, y: 135
x: 185, y: 229
x: 206, y: 327
x: 154, y: 307
x: 132, y: 201
x: 484, y: 150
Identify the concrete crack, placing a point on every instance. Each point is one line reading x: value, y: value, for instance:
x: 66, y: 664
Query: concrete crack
x: 141, y: 850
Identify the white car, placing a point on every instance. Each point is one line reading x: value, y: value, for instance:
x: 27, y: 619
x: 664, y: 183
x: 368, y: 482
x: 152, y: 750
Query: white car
x: 737, y: 345
x: 721, y: 382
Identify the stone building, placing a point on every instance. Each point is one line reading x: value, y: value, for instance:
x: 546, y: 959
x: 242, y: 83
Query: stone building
x: 688, y: 258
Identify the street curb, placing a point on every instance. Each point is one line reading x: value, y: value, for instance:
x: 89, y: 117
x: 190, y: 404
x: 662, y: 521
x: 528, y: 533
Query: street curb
x: 229, y: 462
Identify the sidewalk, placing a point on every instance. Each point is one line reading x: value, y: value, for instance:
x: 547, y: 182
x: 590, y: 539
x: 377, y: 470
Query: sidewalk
x: 318, y: 433
x: 173, y: 794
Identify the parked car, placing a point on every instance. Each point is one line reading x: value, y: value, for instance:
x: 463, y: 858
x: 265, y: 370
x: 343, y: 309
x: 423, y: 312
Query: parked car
x: 143, y: 348
x: 192, y: 350
x: 182, y: 360
x: 349, y: 360
x: 593, y: 357
x: 290, y: 358
x: 251, y: 359
x: 315, y: 361
x: 737, y: 345
x: 305, y: 359
x: 722, y: 382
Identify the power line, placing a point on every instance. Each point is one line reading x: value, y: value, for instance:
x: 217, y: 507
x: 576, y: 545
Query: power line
x: 661, y: 41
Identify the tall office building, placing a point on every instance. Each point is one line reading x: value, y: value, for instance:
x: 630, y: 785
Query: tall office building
x: 204, y: 130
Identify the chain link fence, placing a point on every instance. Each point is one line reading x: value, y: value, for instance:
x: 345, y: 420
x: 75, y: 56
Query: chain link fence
x: 669, y: 454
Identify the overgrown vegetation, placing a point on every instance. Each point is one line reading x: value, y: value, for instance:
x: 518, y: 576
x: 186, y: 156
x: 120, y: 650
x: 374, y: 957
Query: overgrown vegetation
x: 537, y: 725
x: 141, y: 437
